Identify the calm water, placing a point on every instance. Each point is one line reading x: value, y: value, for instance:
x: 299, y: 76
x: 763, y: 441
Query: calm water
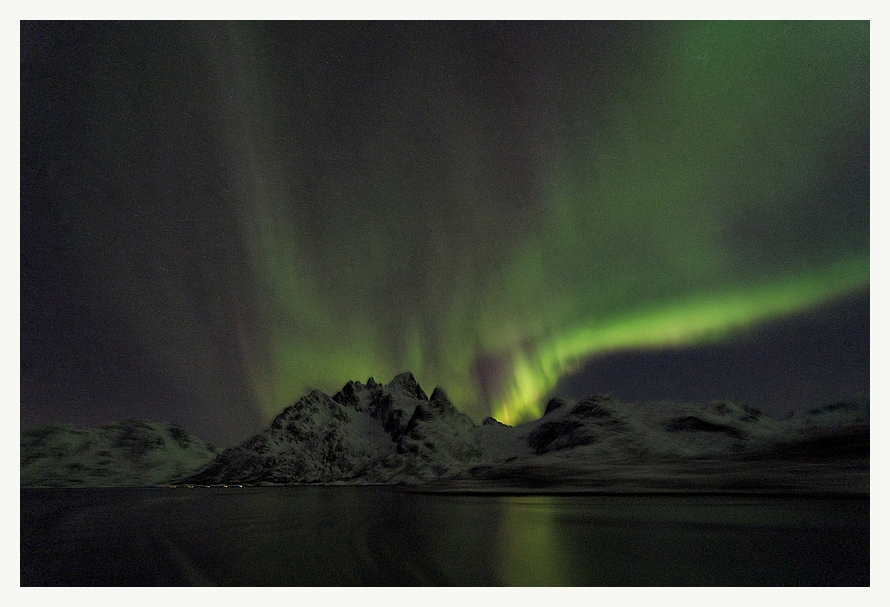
x: 368, y: 536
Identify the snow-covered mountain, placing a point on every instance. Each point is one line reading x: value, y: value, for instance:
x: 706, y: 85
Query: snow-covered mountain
x: 364, y: 433
x: 604, y: 444
x: 394, y: 433
x: 133, y: 453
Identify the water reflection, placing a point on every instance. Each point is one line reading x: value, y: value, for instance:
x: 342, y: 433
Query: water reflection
x: 380, y: 536
x: 529, y: 547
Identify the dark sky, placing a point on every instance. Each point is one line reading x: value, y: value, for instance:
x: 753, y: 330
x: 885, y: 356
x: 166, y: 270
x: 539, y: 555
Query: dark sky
x: 216, y: 217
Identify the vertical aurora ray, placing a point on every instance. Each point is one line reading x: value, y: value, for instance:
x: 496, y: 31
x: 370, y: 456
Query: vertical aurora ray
x: 303, y: 335
x: 673, y: 220
x: 491, y: 205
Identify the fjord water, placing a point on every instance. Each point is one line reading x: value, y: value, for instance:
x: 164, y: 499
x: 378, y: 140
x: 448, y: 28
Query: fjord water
x: 373, y: 536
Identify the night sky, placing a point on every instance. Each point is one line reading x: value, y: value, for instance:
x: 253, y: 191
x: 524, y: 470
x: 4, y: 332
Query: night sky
x: 216, y: 217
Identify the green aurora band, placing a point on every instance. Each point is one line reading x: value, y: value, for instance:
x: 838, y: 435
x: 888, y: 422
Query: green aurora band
x: 490, y: 225
x: 625, y: 247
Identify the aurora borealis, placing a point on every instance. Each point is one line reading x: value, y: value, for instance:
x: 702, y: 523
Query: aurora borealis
x: 217, y: 217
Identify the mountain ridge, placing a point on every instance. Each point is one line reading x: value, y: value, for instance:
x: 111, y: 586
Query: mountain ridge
x: 394, y: 433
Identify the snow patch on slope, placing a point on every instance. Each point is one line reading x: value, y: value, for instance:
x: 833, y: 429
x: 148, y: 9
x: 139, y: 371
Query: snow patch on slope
x: 133, y: 453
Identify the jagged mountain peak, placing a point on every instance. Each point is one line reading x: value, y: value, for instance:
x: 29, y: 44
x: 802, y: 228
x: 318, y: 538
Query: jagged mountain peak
x: 439, y: 407
x: 316, y: 405
x: 404, y: 383
x: 351, y: 394
x: 439, y: 401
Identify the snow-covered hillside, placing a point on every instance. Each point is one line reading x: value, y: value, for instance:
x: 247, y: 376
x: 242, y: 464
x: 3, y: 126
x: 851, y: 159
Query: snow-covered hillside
x: 134, y: 453
x: 394, y: 433
x: 604, y: 444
